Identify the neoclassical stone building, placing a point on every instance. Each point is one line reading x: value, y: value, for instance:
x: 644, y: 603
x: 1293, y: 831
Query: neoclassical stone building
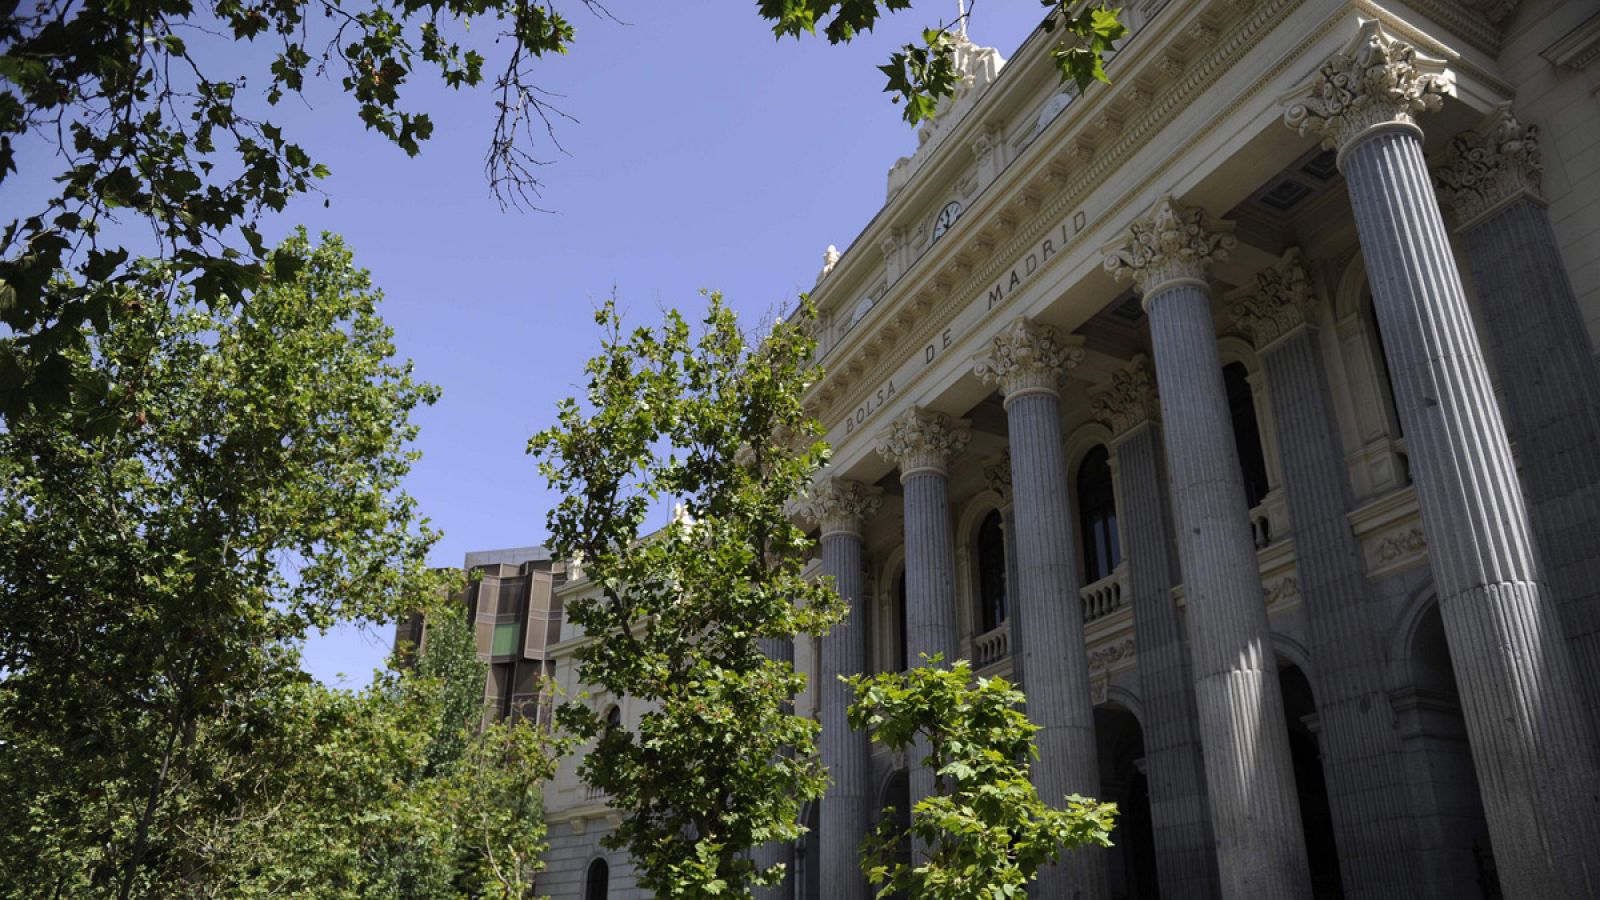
x: 1246, y: 412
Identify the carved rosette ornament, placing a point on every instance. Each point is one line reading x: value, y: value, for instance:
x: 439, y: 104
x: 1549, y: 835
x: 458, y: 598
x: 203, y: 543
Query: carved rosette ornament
x: 1028, y: 358
x: 1277, y: 303
x: 998, y: 476
x: 1487, y: 168
x: 1375, y: 82
x: 1130, y: 401
x: 922, y: 441
x: 839, y: 506
x: 1169, y: 245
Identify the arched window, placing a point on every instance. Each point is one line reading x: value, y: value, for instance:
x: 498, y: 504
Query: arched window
x: 1246, y: 433
x: 598, y: 883
x: 902, y: 652
x: 991, y: 572
x: 614, y: 716
x: 1381, y: 362
x: 1097, y: 515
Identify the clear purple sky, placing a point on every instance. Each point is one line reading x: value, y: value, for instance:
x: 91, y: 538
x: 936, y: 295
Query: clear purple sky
x: 706, y: 155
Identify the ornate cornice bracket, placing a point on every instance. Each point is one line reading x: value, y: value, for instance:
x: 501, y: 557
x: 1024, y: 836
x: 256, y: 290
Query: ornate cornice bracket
x: 1278, y: 301
x: 1376, y: 82
x: 839, y: 506
x: 1027, y: 357
x: 1130, y: 401
x: 1486, y: 169
x: 1170, y: 244
x: 920, y: 441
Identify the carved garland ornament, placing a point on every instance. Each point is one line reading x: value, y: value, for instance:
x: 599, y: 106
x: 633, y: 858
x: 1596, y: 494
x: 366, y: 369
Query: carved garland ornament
x: 1110, y: 655
x: 1487, y: 168
x: 1277, y: 303
x: 1169, y: 243
x: 839, y: 506
x: 922, y: 441
x: 1028, y: 358
x: 998, y: 476
x: 1376, y: 80
x: 1130, y: 401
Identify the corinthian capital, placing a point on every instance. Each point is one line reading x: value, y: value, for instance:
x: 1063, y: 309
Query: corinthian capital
x: 1486, y: 168
x: 1375, y: 81
x: 1027, y: 357
x: 1130, y: 400
x: 841, y: 507
x: 922, y: 441
x: 1276, y: 303
x: 1168, y: 244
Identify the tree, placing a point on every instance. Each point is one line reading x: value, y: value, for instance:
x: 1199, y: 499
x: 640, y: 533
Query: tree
x: 714, y: 421
x: 153, y: 114
x: 158, y: 571
x: 985, y: 829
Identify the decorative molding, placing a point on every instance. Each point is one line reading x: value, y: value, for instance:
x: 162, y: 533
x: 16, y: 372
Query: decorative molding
x: 1106, y: 657
x: 1486, y: 169
x: 840, y: 506
x: 1375, y: 82
x: 922, y: 441
x: 998, y: 476
x: 1578, y: 47
x: 1278, y: 301
x: 1028, y: 358
x: 1169, y: 244
x: 1131, y: 400
x: 1286, y: 588
x: 1397, y: 546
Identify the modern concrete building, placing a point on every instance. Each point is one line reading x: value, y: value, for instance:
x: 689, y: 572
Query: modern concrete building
x: 1246, y: 411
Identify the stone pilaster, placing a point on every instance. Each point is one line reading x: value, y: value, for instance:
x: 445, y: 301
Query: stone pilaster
x: 1534, y: 757
x: 1186, y: 862
x: 1249, y: 776
x: 1361, y: 753
x: 848, y: 809
x: 1548, y: 380
x: 1027, y: 361
x: 922, y: 444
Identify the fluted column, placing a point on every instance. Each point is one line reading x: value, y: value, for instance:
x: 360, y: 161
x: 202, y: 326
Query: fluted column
x: 847, y: 813
x: 922, y: 443
x: 1186, y: 861
x: 1489, y: 183
x: 1361, y: 754
x: 1534, y: 758
x: 1255, y: 811
x: 1027, y: 361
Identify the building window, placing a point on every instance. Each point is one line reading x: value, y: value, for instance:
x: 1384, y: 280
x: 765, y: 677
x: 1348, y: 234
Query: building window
x: 598, y: 883
x: 1246, y: 432
x: 1097, y: 515
x: 902, y: 654
x: 1381, y: 361
x: 614, y: 716
x: 991, y: 572
x: 505, y: 639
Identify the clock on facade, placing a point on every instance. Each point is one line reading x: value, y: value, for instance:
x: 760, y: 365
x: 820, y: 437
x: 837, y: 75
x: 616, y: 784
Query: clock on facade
x: 947, y: 217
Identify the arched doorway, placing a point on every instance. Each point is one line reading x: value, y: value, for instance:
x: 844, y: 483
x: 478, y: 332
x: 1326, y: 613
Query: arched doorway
x: 897, y: 795
x: 1316, y: 815
x: 597, y: 884
x: 1131, y: 860
x: 1457, y: 859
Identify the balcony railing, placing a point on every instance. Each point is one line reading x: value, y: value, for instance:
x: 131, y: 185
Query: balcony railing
x: 1103, y: 597
x: 992, y: 646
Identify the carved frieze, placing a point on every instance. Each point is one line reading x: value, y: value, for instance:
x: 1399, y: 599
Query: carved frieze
x: 922, y: 441
x: 1169, y: 243
x: 1278, y: 300
x: 1111, y: 655
x: 1488, y: 167
x: 1375, y: 80
x: 840, y: 506
x: 1026, y: 357
x: 1131, y: 399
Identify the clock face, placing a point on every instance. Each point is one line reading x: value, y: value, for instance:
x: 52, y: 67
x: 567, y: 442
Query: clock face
x: 947, y: 217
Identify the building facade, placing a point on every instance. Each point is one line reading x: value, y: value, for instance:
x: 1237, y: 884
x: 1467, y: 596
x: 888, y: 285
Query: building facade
x: 1246, y: 412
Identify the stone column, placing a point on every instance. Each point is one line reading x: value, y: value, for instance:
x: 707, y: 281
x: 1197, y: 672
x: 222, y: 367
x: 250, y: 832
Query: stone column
x: 1186, y: 861
x: 847, y: 812
x: 1348, y: 626
x: 1548, y: 379
x: 1027, y: 361
x: 922, y: 443
x: 1255, y: 811
x: 1535, y: 761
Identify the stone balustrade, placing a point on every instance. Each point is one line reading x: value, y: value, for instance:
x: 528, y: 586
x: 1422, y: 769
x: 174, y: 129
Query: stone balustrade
x: 1103, y: 597
x: 992, y: 647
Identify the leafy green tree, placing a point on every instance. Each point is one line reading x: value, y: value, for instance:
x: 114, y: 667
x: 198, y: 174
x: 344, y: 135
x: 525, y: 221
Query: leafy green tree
x: 713, y: 420
x: 147, y: 109
x: 985, y: 830
x: 158, y: 570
